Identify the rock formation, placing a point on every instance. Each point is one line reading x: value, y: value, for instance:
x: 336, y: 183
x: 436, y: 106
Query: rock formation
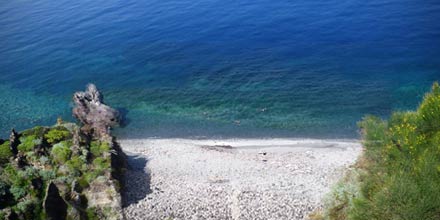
x: 64, y: 171
x: 54, y: 204
x: 14, y: 142
x: 96, y: 117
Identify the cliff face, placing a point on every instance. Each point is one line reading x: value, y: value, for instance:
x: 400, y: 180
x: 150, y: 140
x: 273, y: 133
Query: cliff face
x: 64, y: 171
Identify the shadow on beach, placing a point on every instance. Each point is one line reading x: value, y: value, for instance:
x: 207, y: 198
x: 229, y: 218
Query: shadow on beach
x: 137, y: 180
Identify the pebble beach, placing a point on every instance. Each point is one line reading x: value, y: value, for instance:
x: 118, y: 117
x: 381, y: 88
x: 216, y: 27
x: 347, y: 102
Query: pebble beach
x: 232, y: 179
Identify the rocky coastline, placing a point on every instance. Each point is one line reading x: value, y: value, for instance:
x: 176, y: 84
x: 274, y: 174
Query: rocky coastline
x: 65, y: 171
x: 79, y: 171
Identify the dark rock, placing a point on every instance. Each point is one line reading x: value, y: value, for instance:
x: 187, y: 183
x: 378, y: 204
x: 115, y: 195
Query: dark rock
x: 37, y: 183
x: 75, y: 194
x: 54, y: 204
x: 14, y: 142
x: 20, y: 160
x: 220, y: 148
x: 96, y: 117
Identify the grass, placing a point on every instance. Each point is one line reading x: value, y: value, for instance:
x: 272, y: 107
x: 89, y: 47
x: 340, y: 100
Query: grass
x: 398, y: 176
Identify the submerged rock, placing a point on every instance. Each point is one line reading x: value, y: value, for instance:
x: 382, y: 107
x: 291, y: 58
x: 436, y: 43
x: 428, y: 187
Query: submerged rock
x: 96, y: 117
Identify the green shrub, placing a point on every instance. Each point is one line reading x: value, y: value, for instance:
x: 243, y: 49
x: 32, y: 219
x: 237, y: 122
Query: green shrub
x: 44, y: 160
x: 82, y: 181
x: 5, y: 194
x: 57, y: 134
x: 429, y: 111
x: 91, y: 214
x: 20, y: 189
x: 37, y: 131
x: 61, y: 152
x: 98, y: 148
x: 28, y: 143
x: 47, y: 175
x: 77, y: 165
x: 5, y: 153
x: 400, y: 169
x: 101, y: 163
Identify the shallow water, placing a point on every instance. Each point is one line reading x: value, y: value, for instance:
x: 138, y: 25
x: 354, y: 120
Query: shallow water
x: 219, y: 68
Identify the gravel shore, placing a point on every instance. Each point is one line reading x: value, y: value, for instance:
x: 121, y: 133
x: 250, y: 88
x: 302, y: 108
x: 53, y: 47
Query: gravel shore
x: 232, y: 179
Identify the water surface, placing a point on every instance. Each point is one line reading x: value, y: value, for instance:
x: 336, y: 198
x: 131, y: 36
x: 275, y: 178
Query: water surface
x: 219, y: 68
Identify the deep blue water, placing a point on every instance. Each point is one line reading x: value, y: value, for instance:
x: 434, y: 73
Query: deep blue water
x: 219, y: 67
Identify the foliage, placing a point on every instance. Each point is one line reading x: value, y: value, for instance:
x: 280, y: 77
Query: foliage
x: 22, y: 187
x: 28, y: 143
x: 77, y: 163
x: 91, y: 214
x: 61, y: 152
x: 37, y: 131
x: 5, y: 194
x: 57, y: 134
x: 399, y: 174
x: 97, y: 148
x: 5, y: 153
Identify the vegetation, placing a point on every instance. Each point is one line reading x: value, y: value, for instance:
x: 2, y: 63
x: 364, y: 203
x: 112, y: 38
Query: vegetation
x: 61, y: 152
x: 48, y: 156
x: 398, y: 177
x: 5, y: 153
x: 97, y: 148
x: 57, y: 134
x: 28, y: 143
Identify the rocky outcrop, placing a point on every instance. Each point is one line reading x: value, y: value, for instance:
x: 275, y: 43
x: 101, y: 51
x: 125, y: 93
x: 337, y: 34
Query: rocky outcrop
x: 54, y: 205
x: 96, y: 117
x: 14, y: 142
x: 66, y: 171
x: 104, y: 198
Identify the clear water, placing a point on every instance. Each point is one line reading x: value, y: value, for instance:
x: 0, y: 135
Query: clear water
x: 178, y: 68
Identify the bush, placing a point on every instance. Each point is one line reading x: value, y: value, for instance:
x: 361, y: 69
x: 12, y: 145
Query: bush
x: 5, y: 194
x: 61, y: 152
x: 5, y: 153
x: 23, y: 188
x: 98, y: 148
x: 400, y: 169
x: 19, y: 189
x: 56, y: 135
x: 101, y: 164
x: 47, y: 175
x: 37, y: 131
x: 28, y: 143
x: 76, y: 165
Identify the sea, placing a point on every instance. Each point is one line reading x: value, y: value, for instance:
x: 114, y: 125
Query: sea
x: 218, y: 68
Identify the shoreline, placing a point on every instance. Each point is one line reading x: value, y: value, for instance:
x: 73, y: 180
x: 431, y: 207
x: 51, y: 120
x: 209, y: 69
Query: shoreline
x: 242, y: 143
x: 277, y: 178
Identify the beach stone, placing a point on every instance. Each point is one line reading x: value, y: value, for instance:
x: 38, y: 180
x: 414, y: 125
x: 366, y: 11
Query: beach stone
x: 191, y: 181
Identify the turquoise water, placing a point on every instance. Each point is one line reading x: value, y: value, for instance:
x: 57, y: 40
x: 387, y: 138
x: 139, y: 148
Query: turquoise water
x: 230, y: 68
